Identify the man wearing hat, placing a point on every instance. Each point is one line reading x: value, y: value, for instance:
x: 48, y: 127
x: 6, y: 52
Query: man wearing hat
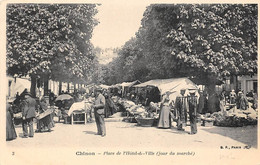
x: 193, y: 105
x: 28, y: 113
x: 181, y: 106
x: 99, y: 112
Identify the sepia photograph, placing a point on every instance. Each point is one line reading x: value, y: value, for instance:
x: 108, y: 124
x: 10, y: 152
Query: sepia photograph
x: 138, y: 81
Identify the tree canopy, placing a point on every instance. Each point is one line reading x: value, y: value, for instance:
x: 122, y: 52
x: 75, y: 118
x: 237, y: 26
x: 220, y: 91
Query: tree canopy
x: 52, y: 39
x: 210, y: 42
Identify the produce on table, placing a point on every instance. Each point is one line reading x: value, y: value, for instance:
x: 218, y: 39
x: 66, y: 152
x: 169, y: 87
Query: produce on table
x: 235, y: 118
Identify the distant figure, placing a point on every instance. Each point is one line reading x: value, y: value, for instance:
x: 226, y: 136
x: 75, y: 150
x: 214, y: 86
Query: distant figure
x: 51, y: 98
x: 232, y: 97
x: 255, y: 101
x: 243, y: 102
x: 110, y: 107
x: 222, y: 103
x: 193, y: 105
x: 165, y: 115
x: 238, y: 99
x: 202, y: 100
x: 28, y: 113
x: 181, y: 106
x: 10, y: 130
x: 99, y: 105
x: 250, y: 94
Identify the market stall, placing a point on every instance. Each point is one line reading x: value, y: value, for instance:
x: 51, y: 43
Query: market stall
x: 127, y: 87
x: 79, y: 109
x: 18, y: 85
x: 155, y: 89
x: 231, y: 118
x: 137, y: 113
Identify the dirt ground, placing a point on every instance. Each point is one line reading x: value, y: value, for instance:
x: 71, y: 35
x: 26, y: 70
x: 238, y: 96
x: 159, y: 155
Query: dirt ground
x: 128, y: 135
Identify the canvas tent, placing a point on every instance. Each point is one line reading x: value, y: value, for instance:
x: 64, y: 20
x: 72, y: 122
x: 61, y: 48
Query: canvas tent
x: 173, y: 85
x: 127, y: 85
x: 18, y: 85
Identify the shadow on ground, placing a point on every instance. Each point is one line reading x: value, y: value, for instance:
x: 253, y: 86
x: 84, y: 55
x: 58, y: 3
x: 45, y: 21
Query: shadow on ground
x: 246, y: 134
x: 176, y: 131
x: 89, y: 132
x: 20, y: 135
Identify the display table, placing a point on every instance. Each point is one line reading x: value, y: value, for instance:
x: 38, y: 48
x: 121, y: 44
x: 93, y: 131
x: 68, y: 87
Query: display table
x: 79, y: 113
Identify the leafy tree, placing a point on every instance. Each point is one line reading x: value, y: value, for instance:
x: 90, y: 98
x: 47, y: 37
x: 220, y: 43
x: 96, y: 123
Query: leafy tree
x: 210, y: 42
x: 50, y: 40
x: 207, y: 42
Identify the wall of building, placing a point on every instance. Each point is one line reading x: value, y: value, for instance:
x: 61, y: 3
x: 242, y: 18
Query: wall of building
x: 248, y: 83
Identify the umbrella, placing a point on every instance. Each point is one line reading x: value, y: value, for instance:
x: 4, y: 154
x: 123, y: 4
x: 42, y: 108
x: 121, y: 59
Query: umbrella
x: 63, y: 97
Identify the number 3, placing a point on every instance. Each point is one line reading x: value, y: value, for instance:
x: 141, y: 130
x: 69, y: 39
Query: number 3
x: 12, y: 153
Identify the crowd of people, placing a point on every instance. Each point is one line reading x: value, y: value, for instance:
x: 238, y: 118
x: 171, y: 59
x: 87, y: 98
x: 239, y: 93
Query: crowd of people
x: 185, y: 108
x: 30, y: 108
x: 190, y: 105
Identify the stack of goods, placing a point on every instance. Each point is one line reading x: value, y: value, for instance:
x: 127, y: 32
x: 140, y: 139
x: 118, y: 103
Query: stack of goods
x: 147, y: 118
x: 207, y: 119
x: 154, y: 107
x: 127, y: 104
x: 136, y: 109
x: 131, y: 107
x: 235, y: 118
x: 148, y: 115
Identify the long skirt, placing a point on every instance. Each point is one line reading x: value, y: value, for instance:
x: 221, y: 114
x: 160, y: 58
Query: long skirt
x: 10, y: 130
x: 164, y: 118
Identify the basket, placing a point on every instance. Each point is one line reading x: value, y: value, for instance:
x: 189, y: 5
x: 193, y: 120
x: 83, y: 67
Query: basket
x: 44, y: 114
x: 145, y: 122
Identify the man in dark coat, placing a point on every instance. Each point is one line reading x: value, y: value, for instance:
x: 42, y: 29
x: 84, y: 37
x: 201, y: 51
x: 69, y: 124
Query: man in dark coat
x: 182, y: 107
x: 28, y: 113
x: 193, y: 104
x: 99, y: 112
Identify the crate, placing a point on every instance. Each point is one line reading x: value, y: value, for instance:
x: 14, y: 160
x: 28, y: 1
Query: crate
x: 205, y: 123
x: 145, y: 122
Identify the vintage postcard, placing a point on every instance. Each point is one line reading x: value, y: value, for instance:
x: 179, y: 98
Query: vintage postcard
x: 129, y: 82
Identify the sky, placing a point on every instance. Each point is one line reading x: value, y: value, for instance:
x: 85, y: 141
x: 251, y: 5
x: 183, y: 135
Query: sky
x: 118, y: 23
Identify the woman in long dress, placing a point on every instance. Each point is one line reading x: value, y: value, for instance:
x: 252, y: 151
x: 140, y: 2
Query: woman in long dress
x: 222, y: 102
x: 243, y: 102
x: 165, y: 115
x: 10, y: 130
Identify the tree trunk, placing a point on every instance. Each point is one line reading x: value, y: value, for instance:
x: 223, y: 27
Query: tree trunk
x: 80, y: 87
x: 75, y: 88
x: 236, y: 83
x: 212, y: 96
x: 33, y: 85
x: 46, y: 85
x: 68, y: 87
x: 60, y: 87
